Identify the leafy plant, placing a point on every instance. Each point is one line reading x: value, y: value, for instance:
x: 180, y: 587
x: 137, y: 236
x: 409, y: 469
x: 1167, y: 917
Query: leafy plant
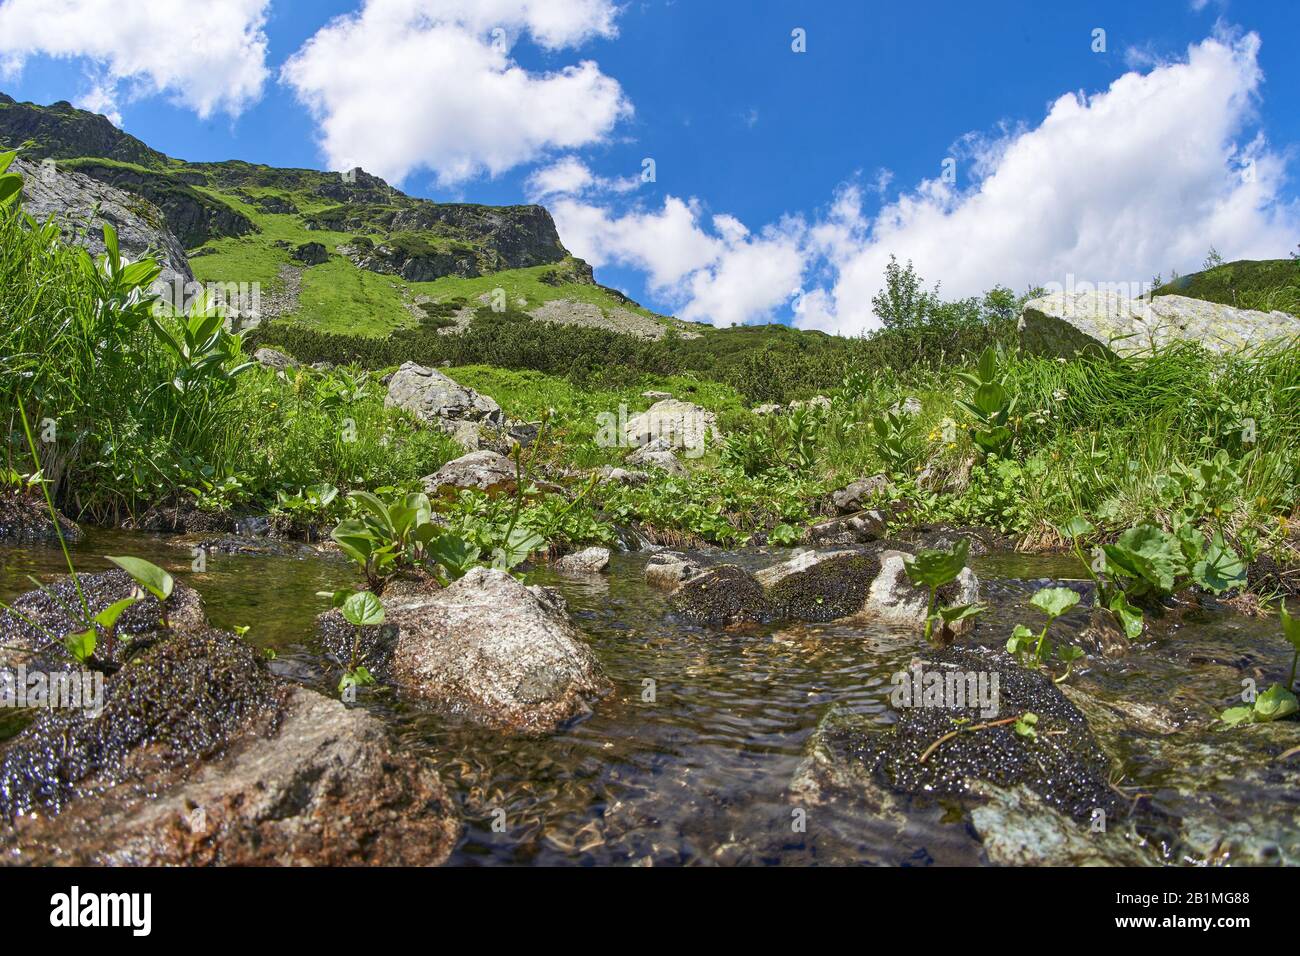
x: 360, y: 609
x: 1053, y: 602
x: 150, y: 577
x: 990, y: 404
x: 934, y: 569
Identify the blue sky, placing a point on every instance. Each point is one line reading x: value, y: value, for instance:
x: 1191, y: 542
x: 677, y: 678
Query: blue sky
x: 783, y: 179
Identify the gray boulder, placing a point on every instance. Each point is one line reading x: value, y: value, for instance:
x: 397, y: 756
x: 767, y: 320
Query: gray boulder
x: 819, y: 586
x: 657, y: 454
x: 583, y: 563
x: 496, y: 652
x: 1107, y: 323
x: 894, y: 599
x: 666, y: 570
x: 434, y: 398
x: 674, y: 424
x: 484, y: 470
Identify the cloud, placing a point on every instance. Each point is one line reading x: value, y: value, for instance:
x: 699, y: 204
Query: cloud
x: 207, y: 55
x: 410, y: 84
x: 570, y: 176
x: 1113, y: 187
x: 722, y: 274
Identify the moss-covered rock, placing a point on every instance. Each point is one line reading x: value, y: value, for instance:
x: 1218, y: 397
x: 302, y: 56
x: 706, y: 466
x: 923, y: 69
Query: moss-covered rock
x: 721, y: 596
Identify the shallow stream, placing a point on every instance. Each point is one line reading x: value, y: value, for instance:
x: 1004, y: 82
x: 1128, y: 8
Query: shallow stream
x: 691, y: 759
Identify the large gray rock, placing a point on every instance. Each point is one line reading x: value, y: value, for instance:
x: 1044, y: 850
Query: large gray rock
x: 894, y: 599
x: 679, y: 424
x: 483, y: 470
x: 657, y: 454
x: 666, y: 570
x: 820, y: 586
x: 434, y: 398
x: 1107, y: 323
x: 496, y: 652
x: 274, y: 358
x: 82, y: 204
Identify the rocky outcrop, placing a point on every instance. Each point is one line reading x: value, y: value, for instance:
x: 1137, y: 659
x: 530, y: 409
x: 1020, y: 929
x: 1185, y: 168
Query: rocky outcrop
x: 61, y: 131
x: 683, y: 425
x: 1107, y: 323
x: 489, y: 650
x: 584, y: 563
x: 434, y: 398
x: 485, y: 470
x: 310, y: 254
x: 82, y: 204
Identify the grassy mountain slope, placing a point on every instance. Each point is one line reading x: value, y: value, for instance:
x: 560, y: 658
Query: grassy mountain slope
x: 1266, y: 285
x: 335, y: 252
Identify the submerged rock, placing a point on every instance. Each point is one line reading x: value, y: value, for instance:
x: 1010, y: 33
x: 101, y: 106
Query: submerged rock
x: 666, y: 570
x: 585, y: 562
x: 1106, y: 323
x: 813, y: 586
x: 488, y: 649
x: 27, y: 518
x: 723, y: 595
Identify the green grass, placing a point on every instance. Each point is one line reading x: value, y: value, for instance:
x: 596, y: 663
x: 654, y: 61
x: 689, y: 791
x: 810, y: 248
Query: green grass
x: 525, y: 285
x: 1266, y: 285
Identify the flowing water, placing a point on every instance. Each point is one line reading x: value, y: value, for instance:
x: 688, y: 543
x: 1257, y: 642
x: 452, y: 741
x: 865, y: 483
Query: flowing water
x: 690, y: 759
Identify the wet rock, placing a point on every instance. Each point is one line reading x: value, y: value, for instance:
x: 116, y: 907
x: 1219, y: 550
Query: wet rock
x: 1017, y: 828
x: 182, y: 697
x: 582, y: 563
x: 859, y: 494
x: 894, y: 599
x: 185, y: 517
x: 325, y: 787
x: 678, y: 424
x: 26, y: 517
x: 1103, y: 635
x: 1063, y: 765
x: 823, y: 586
x: 485, y: 470
x: 434, y: 398
x: 491, y: 650
x: 37, y: 621
x: 722, y: 596
x: 666, y: 570
x: 860, y: 528
x: 273, y: 358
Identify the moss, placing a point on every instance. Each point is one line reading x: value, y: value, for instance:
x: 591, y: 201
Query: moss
x: 830, y: 589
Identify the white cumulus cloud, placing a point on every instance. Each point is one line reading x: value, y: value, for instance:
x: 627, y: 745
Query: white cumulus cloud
x: 208, y: 55
x: 721, y: 273
x: 410, y: 84
x: 1112, y: 187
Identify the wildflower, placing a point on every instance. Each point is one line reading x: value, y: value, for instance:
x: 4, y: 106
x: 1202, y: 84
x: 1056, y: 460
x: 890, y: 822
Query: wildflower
x: 1060, y: 395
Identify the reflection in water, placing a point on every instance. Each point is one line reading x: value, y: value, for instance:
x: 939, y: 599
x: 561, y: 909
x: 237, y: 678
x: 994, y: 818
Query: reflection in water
x: 690, y: 759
